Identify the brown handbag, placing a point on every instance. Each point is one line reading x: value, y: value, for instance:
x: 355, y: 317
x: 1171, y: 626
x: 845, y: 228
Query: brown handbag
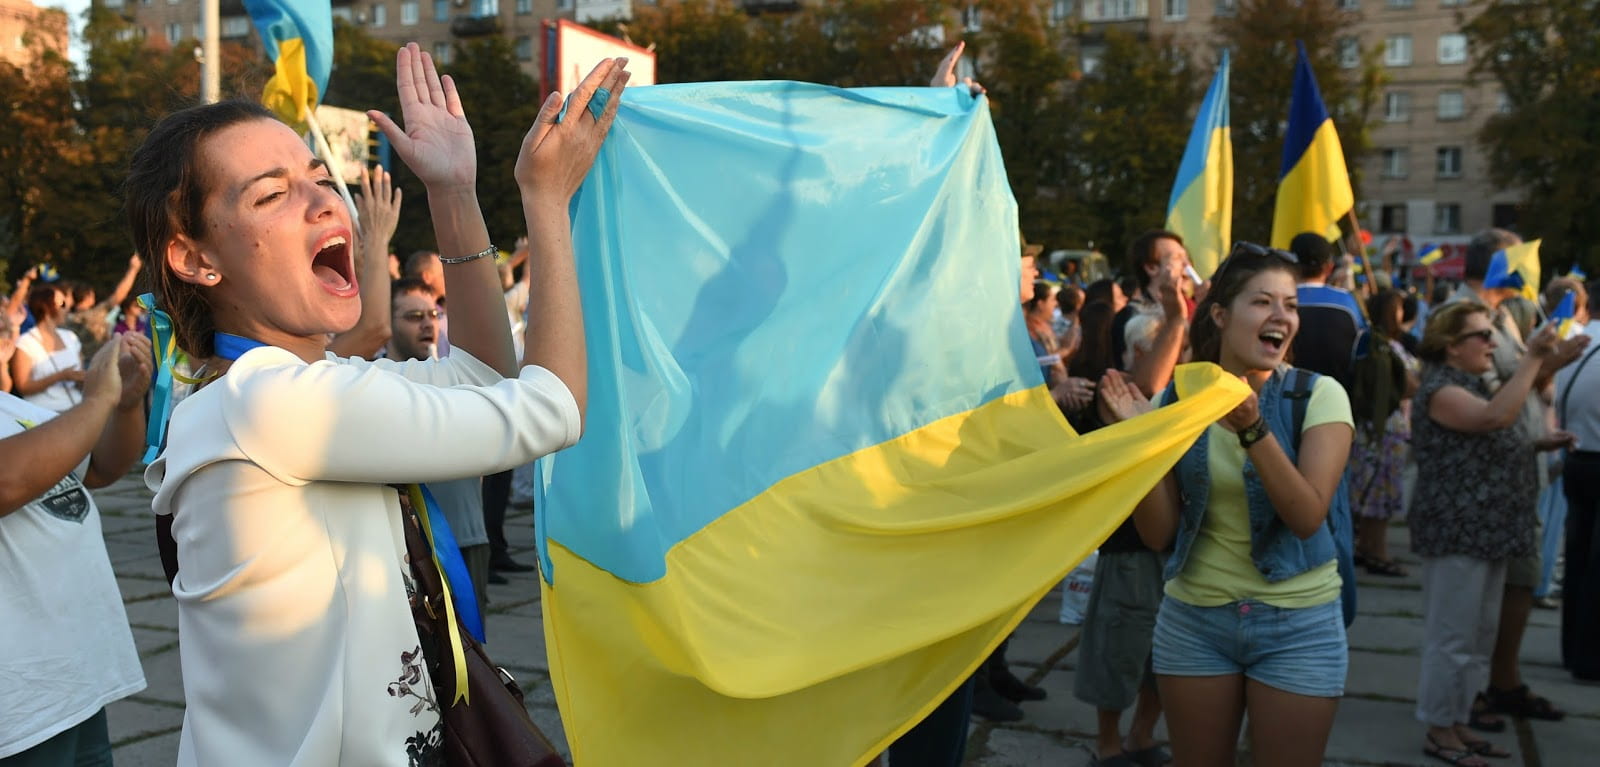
x: 493, y: 727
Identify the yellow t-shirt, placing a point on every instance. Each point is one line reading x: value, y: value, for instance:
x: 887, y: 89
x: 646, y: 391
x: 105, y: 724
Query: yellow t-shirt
x: 1219, y: 569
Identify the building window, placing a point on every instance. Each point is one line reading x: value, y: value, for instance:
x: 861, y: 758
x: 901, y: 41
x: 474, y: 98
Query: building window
x: 525, y: 48
x: 972, y: 18
x: 113, y: 3
x: 1227, y: 7
x: 1091, y: 62
x: 1349, y: 52
x: 1447, y: 218
x: 1452, y: 3
x: 1349, y: 5
x: 442, y: 53
x: 1392, y: 219
x: 1504, y: 216
x: 174, y: 32
x: 1397, y: 51
x: 1452, y: 105
x: 1503, y: 103
x: 1394, y: 163
x: 441, y: 10
x: 1176, y: 9
x: 1449, y: 162
x: 236, y: 26
x: 408, y: 13
x: 1399, y: 3
x: 1060, y: 12
x: 1396, y: 106
x: 344, y: 12
x: 380, y: 16
x: 488, y: 8
x: 563, y: 5
x: 1117, y: 10
x: 524, y: 7
x: 1452, y: 49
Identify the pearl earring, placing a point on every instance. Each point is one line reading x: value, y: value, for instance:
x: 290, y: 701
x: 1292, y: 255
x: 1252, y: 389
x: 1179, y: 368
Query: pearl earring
x: 212, y: 276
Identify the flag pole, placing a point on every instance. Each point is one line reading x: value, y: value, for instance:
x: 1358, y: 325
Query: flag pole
x: 210, y: 55
x: 327, y: 156
x: 1361, y: 253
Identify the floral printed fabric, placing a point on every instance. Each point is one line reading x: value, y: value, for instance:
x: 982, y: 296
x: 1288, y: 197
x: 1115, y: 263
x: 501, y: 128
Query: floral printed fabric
x: 1377, y: 465
x: 1476, y: 493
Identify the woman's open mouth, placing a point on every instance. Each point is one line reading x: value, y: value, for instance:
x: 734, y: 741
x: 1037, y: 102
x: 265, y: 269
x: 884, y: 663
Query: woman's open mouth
x: 1273, y: 340
x: 334, y: 267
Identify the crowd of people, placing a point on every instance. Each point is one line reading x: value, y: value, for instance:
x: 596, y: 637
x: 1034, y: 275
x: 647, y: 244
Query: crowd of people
x: 1224, y: 598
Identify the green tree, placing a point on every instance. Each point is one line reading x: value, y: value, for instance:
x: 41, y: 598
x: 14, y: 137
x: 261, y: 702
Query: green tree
x: 1130, y: 123
x: 697, y: 41
x: 1262, y: 39
x: 502, y: 102
x: 1544, y: 54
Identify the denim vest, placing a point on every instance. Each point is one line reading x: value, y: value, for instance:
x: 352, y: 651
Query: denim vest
x: 1276, y: 551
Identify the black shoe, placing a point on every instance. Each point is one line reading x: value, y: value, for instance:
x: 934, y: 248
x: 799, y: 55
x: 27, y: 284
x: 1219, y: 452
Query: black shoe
x: 497, y: 579
x: 509, y: 565
x: 1014, y: 689
x: 992, y: 706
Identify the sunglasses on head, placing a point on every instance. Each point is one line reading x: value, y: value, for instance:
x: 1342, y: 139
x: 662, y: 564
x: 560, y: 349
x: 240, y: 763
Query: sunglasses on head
x: 1249, y: 250
x: 1485, y: 335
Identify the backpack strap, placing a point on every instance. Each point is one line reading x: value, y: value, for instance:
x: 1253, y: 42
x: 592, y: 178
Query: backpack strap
x: 1297, y: 386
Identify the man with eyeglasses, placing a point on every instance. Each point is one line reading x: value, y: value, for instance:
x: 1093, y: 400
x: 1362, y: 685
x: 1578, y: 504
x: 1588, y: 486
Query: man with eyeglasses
x: 414, y: 325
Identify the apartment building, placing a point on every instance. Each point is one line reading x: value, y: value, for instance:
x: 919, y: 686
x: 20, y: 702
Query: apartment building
x: 1426, y: 179
x: 27, y: 31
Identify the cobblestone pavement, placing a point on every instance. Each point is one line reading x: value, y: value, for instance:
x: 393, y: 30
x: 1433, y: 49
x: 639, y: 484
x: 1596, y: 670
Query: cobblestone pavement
x: 1375, y: 724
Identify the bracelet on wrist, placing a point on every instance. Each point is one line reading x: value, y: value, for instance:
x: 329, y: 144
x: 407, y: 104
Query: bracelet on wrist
x: 489, y: 251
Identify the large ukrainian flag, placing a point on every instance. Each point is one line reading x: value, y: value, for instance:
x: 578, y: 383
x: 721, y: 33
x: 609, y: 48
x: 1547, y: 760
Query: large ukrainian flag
x: 1313, y: 184
x: 1201, y: 207
x: 820, y: 477
x: 297, y: 36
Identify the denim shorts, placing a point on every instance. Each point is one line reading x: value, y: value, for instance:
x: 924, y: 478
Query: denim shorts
x: 1300, y: 650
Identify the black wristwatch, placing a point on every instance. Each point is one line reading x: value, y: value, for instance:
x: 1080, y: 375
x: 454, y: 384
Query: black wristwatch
x: 1253, y: 433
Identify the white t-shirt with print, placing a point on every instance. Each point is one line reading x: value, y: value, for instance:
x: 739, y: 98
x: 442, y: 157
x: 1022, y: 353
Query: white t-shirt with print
x: 67, y: 649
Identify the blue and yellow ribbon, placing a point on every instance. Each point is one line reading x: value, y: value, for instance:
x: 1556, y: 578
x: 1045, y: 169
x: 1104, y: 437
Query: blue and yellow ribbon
x: 447, y: 558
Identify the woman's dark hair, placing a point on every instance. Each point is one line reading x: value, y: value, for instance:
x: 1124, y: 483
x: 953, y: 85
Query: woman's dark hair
x: 1041, y: 292
x: 1142, y: 253
x: 1226, y: 284
x: 1408, y: 307
x: 1100, y: 291
x: 127, y: 303
x: 1381, y: 311
x: 1094, y: 355
x: 164, y: 197
x: 1069, y: 298
x: 42, y: 301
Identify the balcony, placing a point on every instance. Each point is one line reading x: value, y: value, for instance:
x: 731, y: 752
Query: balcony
x: 475, y: 26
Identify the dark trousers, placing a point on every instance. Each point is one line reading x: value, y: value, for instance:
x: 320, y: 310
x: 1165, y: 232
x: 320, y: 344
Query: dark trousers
x: 940, y: 739
x: 496, y: 494
x: 87, y: 744
x: 1580, y: 592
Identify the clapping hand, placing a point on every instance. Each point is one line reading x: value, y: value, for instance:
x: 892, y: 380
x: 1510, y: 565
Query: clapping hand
x: 945, y: 75
x: 1074, y: 394
x: 1120, y: 398
x: 134, y: 365
x: 1556, y: 440
x: 379, y: 208
x: 1245, y: 415
x: 436, y: 143
x: 556, y: 157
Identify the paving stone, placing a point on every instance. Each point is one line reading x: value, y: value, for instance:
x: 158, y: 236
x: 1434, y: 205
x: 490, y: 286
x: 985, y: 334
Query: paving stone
x: 123, y: 515
x: 516, y: 642
x: 1380, y: 634
x: 138, y: 589
x: 126, y: 551
x: 130, y: 719
x: 163, y: 674
x: 1016, y: 748
x: 150, y: 641
x: 1033, y: 643
x: 161, y: 751
x: 1570, y: 743
x: 159, y: 613
x: 1384, y: 733
x: 1383, y: 675
x: 1060, y: 713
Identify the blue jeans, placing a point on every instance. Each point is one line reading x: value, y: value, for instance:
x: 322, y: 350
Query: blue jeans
x: 1298, y: 650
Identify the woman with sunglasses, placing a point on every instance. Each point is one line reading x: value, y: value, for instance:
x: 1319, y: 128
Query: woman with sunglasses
x: 1475, y: 477
x: 1251, y: 621
x: 297, y: 638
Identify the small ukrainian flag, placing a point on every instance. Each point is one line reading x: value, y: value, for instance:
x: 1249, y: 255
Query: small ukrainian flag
x: 1313, y: 184
x: 297, y: 36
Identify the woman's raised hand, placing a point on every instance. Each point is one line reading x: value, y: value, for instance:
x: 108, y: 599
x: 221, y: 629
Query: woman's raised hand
x: 437, y: 141
x: 1120, y: 398
x: 556, y: 157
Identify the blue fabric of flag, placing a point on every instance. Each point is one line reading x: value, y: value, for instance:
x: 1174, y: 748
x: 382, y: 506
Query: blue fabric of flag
x: 805, y: 298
